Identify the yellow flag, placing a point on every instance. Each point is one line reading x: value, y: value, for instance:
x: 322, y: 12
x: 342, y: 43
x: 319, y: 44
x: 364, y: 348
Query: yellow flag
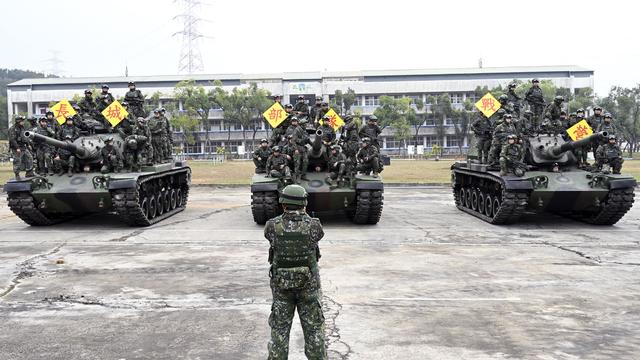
x: 275, y: 115
x: 114, y: 113
x: 62, y: 110
x: 334, y: 119
x: 488, y: 105
x: 580, y: 130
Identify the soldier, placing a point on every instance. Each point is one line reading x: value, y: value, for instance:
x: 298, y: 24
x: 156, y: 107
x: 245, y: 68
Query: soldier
x: 328, y: 133
x: 64, y: 159
x: 324, y: 109
x: 277, y: 165
x: 125, y: 127
x: 294, y: 276
x: 298, y: 156
x: 169, y: 134
x: 68, y: 130
x: 44, y: 152
x: 607, y: 125
x: 371, y: 131
x: 337, y: 165
x: 609, y: 154
x: 526, y: 125
x: 553, y: 110
x: 596, y: 119
x: 19, y: 145
x: 349, y: 139
x: 277, y: 98
x: 111, y: 160
x: 368, y: 158
x: 139, y: 150
x: 555, y: 126
x: 511, y: 156
x: 301, y: 109
x: 87, y: 105
x: 514, y: 99
x: 135, y: 99
x: 52, y: 122
x: 499, y: 137
x: 580, y: 115
x: 506, y: 105
x: 260, y: 156
x: 535, y: 98
x: 158, y: 137
x: 299, y: 134
x: 314, y: 113
x: 279, y: 132
x: 104, y: 99
x: 482, y: 129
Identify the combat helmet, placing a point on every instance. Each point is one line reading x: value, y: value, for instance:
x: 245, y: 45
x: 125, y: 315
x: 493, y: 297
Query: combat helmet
x: 503, y: 97
x: 558, y: 98
x: 293, y: 195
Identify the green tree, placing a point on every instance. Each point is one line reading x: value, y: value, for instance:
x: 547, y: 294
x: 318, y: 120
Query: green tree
x: 624, y: 105
x: 461, y: 121
x: 417, y: 120
x: 348, y: 99
x: 396, y: 113
x: 196, y: 103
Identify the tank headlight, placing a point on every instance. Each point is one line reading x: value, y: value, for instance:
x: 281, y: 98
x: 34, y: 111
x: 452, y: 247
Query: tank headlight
x: 540, y: 182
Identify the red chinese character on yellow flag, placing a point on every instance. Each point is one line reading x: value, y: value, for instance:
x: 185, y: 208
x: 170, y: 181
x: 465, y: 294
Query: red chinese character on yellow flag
x: 488, y: 105
x: 62, y: 110
x: 275, y: 115
x: 114, y: 113
x: 334, y: 121
x: 580, y: 130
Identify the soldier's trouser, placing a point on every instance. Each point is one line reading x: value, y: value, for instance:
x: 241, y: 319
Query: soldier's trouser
x: 615, y: 164
x: 64, y: 164
x: 43, y: 160
x: 260, y: 166
x: 338, y: 172
x: 112, y: 165
x: 503, y: 165
x: 372, y: 165
x: 483, y: 146
x: 285, y: 303
x: 158, y: 148
x: 276, y: 135
x: 22, y: 160
x: 494, y: 151
x: 537, y: 110
x: 286, y: 172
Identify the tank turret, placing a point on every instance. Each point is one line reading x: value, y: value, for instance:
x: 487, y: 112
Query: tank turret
x: 550, y: 149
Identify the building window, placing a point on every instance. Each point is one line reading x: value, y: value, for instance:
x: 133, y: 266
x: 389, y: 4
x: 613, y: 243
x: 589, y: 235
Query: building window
x: 358, y: 101
x: 194, y: 148
x: 371, y: 101
x: 452, y: 141
x: 472, y: 97
x: 456, y: 98
x: 432, y: 140
x: 393, y: 143
x: 212, y: 147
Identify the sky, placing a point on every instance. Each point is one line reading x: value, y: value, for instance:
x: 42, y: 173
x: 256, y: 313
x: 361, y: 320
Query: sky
x: 94, y: 38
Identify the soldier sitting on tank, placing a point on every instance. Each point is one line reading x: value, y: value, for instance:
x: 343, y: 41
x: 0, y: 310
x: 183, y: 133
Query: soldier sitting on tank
x: 349, y: 138
x: 314, y: 112
x: 511, y: 157
x: 44, y: 152
x: 68, y: 130
x: 482, y: 129
x: 337, y: 166
x: 111, y: 160
x: 371, y: 131
x: 87, y: 105
x: 138, y: 148
x: 20, y: 149
x: 104, y: 98
x: 368, y: 158
x: 554, y: 126
x: 328, y: 133
x: 499, y: 137
x: 301, y: 109
x: 277, y: 165
x: 52, y: 122
x: 260, y: 156
x: 609, y: 156
x: 64, y: 160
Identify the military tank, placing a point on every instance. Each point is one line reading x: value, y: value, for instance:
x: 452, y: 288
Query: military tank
x: 361, y: 198
x: 550, y: 181
x: 141, y: 198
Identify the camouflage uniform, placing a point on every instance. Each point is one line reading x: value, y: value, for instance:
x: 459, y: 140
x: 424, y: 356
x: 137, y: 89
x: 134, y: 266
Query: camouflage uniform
x: 139, y: 150
x: 337, y: 165
x: 104, y: 100
x: 328, y: 133
x: 608, y: 127
x: 277, y: 165
x: 554, y: 110
x: 514, y: 99
x: 509, y: 155
x: 368, y: 159
x: 535, y: 98
x: 482, y: 129
x: 279, y: 132
x: 168, y: 144
x: 299, y: 158
x: 19, y: 145
x: 295, y: 283
x: 371, y: 130
x: 260, y: 156
x: 44, y: 152
x: 158, y: 137
x: 88, y: 105
x: 110, y: 158
x: 350, y: 139
x: 499, y: 138
x: 609, y: 154
x: 135, y: 99
x: 301, y: 109
x: 553, y: 126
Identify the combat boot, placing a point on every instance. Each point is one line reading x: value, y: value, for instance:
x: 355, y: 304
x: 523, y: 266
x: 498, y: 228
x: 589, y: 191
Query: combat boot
x: 29, y: 174
x: 328, y: 181
x: 18, y: 176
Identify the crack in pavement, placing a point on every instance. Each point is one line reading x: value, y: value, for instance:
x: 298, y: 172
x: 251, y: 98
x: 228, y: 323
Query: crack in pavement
x: 332, y: 332
x: 595, y: 259
x: 127, y: 236
x: 26, y: 269
x: 199, y: 217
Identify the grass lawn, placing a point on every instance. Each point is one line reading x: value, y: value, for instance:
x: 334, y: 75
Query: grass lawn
x: 400, y: 171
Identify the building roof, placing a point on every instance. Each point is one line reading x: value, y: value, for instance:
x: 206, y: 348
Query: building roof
x: 293, y: 76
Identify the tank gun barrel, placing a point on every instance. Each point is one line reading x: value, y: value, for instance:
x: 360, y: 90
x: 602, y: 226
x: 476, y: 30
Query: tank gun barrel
x: 557, y: 150
x: 316, y: 144
x: 79, y: 151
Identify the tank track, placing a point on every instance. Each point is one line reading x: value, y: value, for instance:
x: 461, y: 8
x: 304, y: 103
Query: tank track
x: 136, y: 211
x: 472, y: 191
x: 22, y: 204
x: 264, y: 206
x: 618, y: 202
x: 369, y: 205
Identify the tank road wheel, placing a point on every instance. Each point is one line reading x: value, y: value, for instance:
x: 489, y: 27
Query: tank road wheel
x: 480, y: 202
x: 463, y: 196
x: 144, y: 205
x: 496, y: 205
x: 152, y: 207
x: 488, y: 205
x: 474, y: 200
x: 172, y: 199
x: 166, y: 199
x: 178, y: 197
x: 467, y: 198
x: 264, y: 206
x: 369, y: 205
x: 159, y: 203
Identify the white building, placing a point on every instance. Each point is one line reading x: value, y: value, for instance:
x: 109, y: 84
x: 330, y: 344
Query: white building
x: 32, y: 96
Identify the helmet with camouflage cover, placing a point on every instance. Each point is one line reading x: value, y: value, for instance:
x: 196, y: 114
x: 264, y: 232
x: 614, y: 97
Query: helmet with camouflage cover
x: 264, y: 141
x: 597, y: 108
x: 276, y: 148
x: 366, y: 140
x: 558, y: 98
x: 373, y: 118
x: 580, y: 110
x: 503, y: 97
x: 608, y: 115
x: 512, y: 137
x: 336, y: 147
x: 293, y: 195
x: 612, y: 137
x: 513, y: 85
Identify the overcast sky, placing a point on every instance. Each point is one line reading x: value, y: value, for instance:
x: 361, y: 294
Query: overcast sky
x: 100, y: 38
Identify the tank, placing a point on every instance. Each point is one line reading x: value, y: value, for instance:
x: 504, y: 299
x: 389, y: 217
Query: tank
x: 581, y: 193
x: 142, y: 198
x: 360, y: 198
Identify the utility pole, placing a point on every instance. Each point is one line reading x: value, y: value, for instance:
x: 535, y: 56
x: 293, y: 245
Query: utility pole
x: 190, y: 57
x: 55, y: 63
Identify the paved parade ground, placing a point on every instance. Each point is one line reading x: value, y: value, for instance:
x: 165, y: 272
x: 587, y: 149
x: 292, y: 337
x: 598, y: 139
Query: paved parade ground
x: 427, y: 282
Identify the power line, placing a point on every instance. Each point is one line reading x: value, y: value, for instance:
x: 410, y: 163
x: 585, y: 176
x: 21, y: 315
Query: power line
x: 190, y: 56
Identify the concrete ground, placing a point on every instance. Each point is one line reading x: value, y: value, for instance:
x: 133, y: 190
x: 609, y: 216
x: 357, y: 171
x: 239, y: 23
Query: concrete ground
x: 428, y: 282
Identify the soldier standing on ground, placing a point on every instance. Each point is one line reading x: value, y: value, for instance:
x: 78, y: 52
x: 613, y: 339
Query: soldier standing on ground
x: 19, y: 145
x: 135, y: 99
x: 294, y: 276
x: 482, y: 129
